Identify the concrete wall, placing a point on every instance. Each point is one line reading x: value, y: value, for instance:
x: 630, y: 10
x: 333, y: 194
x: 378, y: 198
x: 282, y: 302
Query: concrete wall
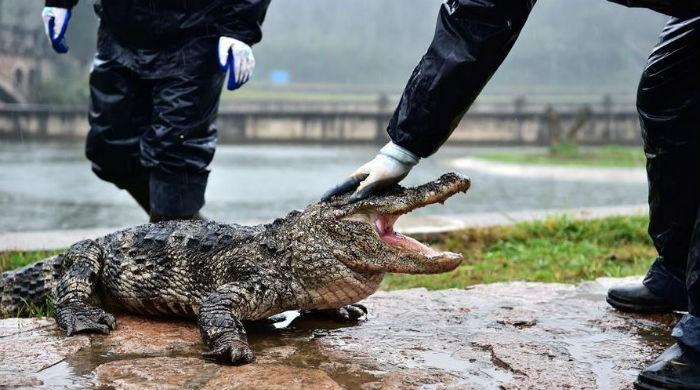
x: 20, y: 63
x: 281, y: 123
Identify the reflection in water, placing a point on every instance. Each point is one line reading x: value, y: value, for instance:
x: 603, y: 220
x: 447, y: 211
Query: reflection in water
x: 50, y: 186
x: 295, y: 334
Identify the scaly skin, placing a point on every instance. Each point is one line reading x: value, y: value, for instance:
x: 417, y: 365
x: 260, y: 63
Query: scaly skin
x: 320, y: 261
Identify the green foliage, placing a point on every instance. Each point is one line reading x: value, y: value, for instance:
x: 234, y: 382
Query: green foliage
x: 564, y: 150
x: 556, y: 250
x: 16, y: 259
x: 567, y: 154
x: 31, y: 310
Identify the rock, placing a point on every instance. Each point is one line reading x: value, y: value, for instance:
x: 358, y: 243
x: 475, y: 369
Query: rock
x: 415, y: 379
x: 506, y: 335
x: 11, y: 381
x: 155, y: 373
x: 509, y: 336
x: 29, y: 346
x: 137, y: 335
x: 270, y: 377
x: 177, y: 373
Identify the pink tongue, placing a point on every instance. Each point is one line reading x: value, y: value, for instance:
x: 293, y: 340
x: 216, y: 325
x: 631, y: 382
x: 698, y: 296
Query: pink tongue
x: 385, y: 228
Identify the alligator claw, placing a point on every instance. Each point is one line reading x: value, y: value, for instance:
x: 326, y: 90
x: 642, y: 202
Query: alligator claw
x: 352, y: 312
x: 235, y: 352
x: 349, y: 313
x: 77, y: 319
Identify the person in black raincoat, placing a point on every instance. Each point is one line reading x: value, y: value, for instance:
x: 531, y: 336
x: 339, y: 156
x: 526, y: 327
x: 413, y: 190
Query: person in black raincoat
x: 154, y: 91
x: 472, y: 39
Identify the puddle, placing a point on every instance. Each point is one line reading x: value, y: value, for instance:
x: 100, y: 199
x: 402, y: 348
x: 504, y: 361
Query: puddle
x: 63, y: 376
x: 443, y: 361
x: 289, y: 343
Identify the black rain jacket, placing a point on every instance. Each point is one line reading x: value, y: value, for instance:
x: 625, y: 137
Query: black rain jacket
x: 160, y: 38
x: 472, y: 38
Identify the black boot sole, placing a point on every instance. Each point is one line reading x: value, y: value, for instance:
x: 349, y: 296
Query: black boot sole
x: 630, y: 307
x: 643, y: 383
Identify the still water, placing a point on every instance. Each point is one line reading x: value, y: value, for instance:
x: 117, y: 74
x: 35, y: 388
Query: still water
x: 50, y: 186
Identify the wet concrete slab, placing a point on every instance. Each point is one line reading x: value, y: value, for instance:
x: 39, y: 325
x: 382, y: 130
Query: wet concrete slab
x: 499, y: 336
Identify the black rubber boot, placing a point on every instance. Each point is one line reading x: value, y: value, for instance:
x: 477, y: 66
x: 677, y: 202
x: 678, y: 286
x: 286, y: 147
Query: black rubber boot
x: 637, y: 298
x: 161, y: 218
x: 676, y: 368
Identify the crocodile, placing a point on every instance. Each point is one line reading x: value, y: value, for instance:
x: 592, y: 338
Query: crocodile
x: 320, y: 261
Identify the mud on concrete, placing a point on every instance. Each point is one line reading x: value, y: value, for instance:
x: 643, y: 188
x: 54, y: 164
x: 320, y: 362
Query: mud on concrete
x: 499, y: 336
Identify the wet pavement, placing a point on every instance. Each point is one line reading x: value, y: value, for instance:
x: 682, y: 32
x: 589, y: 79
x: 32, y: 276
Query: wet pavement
x: 508, y: 336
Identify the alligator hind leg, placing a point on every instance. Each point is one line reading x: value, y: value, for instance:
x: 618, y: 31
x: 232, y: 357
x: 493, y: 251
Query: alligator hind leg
x: 74, y: 300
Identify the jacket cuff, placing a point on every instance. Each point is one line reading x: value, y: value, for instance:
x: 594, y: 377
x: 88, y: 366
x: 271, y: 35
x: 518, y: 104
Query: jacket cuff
x: 399, y: 153
x: 68, y: 4
x: 247, y: 37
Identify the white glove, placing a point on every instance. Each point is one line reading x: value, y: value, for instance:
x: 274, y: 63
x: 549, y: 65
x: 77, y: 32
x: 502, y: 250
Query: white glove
x: 237, y: 58
x: 55, y: 25
x: 390, y: 166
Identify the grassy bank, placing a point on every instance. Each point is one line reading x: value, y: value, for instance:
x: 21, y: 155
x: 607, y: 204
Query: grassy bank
x: 556, y: 250
x: 604, y: 156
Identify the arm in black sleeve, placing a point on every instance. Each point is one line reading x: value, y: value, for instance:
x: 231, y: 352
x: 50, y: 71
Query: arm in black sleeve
x: 69, y: 4
x: 472, y: 38
x: 242, y: 19
x: 677, y: 8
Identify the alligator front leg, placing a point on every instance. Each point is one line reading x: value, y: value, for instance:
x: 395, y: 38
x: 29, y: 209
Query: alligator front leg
x: 349, y: 313
x: 220, y: 317
x: 74, y: 300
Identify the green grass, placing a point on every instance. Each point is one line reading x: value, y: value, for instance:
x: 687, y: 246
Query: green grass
x: 12, y: 260
x: 557, y: 250
x: 604, y: 156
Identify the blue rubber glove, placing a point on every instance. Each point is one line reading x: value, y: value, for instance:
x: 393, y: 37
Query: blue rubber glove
x: 55, y: 25
x: 236, y: 58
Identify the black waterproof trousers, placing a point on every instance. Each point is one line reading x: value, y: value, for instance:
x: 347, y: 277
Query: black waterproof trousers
x: 155, y: 135
x: 154, y: 94
x: 668, y: 101
x: 473, y: 37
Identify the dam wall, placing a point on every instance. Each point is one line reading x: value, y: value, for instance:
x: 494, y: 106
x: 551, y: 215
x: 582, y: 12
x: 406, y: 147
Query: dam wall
x: 359, y: 123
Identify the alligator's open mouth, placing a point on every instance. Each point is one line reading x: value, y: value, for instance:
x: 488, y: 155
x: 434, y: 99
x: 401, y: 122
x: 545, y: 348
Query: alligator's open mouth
x: 384, y: 225
x: 382, y: 211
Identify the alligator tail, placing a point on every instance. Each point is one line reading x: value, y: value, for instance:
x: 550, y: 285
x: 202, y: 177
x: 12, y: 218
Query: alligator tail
x: 24, y: 290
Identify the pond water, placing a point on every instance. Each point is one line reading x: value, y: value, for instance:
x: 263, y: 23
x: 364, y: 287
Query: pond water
x: 47, y: 186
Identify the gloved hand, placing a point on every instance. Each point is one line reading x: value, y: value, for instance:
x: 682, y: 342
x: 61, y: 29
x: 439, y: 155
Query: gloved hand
x: 237, y: 58
x: 55, y: 24
x: 391, y: 165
